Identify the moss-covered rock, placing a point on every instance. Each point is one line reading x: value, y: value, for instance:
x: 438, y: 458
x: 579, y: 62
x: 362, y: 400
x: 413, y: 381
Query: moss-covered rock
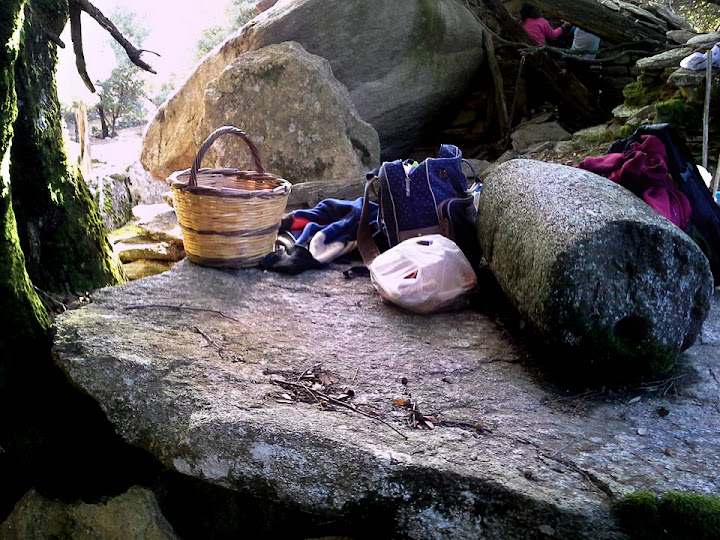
x: 673, y: 516
x: 59, y: 225
x: 679, y: 113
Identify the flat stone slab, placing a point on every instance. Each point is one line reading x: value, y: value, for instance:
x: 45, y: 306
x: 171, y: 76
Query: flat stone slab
x: 183, y: 364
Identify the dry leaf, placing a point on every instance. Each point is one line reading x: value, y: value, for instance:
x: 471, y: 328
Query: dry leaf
x: 634, y: 400
x: 401, y: 402
x: 429, y: 424
x: 286, y: 396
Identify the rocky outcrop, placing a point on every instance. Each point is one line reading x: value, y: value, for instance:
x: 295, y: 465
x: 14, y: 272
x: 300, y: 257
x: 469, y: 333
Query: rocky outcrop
x: 199, y: 366
x: 530, y: 133
x: 595, y: 270
x: 143, y: 187
x: 402, y: 63
x: 134, y: 515
x: 665, y: 92
x: 301, y: 117
x: 151, y: 244
x: 112, y: 195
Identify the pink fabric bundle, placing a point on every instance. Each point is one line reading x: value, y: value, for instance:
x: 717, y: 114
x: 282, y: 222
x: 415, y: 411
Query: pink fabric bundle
x: 643, y: 170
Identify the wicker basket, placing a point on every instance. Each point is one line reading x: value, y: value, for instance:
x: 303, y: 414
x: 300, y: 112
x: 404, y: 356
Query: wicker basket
x: 229, y: 218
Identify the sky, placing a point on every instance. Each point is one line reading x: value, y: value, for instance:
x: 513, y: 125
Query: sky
x: 174, y: 28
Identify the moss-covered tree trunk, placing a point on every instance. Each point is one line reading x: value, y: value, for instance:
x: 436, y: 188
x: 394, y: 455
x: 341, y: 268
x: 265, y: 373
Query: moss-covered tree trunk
x: 59, y: 225
x: 22, y: 317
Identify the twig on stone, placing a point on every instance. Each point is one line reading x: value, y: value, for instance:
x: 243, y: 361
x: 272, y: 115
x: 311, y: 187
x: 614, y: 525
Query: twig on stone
x: 652, y: 385
x: 51, y: 298
x: 181, y: 308
x: 222, y: 351
x: 309, y: 370
x: 317, y: 394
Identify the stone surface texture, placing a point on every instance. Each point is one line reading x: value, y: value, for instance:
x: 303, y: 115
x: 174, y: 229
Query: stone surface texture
x: 159, y: 222
x: 297, y: 113
x: 588, y: 263
x: 142, y: 268
x: 143, y: 187
x: 664, y: 60
x: 133, y: 515
x: 529, y: 134
x: 183, y: 365
x: 113, y: 197
x: 401, y: 63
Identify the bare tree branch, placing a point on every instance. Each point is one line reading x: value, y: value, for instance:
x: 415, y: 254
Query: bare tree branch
x: 133, y: 53
x: 76, y: 35
x: 54, y: 38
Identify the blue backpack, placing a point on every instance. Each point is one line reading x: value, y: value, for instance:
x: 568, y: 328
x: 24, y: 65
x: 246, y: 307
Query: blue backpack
x: 704, y: 225
x: 416, y: 199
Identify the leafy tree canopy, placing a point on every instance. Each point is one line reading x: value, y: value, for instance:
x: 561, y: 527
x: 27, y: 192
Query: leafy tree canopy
x: 239, y: 13
x: 121, y: 94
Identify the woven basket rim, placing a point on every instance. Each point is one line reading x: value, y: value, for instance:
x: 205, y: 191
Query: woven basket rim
x: 180, y: 180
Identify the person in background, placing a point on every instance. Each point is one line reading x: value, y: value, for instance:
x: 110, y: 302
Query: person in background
x: 538, y: 27
x: 585, y: 40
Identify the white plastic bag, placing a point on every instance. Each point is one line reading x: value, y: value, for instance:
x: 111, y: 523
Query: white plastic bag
x: 424, y: 274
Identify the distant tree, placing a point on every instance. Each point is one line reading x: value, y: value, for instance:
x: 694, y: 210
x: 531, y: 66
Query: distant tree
x: 165, y: 89
x: 239, y: 13
x: 122, y: 93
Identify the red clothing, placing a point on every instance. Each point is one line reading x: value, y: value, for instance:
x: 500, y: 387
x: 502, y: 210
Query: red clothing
x: 643, y: 169
x: 540, y: 30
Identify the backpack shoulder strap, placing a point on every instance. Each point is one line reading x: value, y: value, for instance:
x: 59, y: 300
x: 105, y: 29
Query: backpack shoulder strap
x: 365, y: 243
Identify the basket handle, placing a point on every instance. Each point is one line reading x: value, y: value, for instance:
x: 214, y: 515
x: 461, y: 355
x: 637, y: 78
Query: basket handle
x: 211, y: 139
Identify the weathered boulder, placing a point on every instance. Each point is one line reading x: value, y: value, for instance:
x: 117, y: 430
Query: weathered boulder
x: 531, y: 133
x: 664, y: 60
x: 142, y: 268
x: 133, y: 515
x: 593, y: 268
x: 680, y: 37
x: 673, y: 19
x: 704, y: 40
x: 112, y: 195
x: 141, y: 247
x: 401, y: 62
x: 295, y: 110
x: 184, y: 365
x: 159, y: 222
x: 143, y: 187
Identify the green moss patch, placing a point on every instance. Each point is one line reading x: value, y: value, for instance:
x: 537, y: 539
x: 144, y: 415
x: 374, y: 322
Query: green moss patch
x: 678, y: 113
x: 673, y: 516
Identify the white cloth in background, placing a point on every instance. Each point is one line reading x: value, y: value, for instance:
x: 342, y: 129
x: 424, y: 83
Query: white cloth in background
x: 585, y: 40
x: 697, y: 61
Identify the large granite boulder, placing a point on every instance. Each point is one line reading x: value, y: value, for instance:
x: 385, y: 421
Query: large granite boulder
x: 298, y: 114
x: 402, y: 63
x: 201, y: 368
x: 592, y: 267
x: 134, y: 515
